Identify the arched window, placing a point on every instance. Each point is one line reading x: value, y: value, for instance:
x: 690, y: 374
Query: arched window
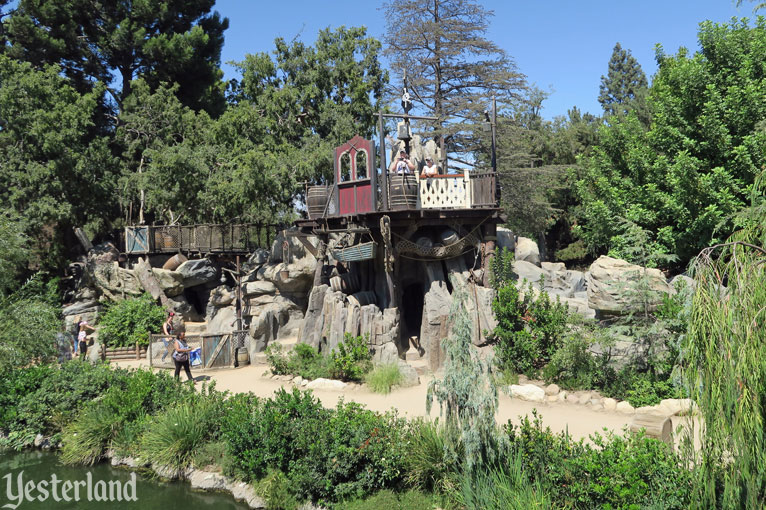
x: 361, y: 165
x: 345, y: 167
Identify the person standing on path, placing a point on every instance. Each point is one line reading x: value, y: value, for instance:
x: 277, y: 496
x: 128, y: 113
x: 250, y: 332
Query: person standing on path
x: 167, y: 329
x: 181, y: 355
x: 82, y: 338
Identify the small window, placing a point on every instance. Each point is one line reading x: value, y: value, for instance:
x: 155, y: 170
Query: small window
x: 345, y: 167
x: 361, y: 165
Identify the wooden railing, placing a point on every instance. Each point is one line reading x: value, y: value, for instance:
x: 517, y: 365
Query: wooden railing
x: 239, y: 238
x: 445, y: 192
x: 483, y: 189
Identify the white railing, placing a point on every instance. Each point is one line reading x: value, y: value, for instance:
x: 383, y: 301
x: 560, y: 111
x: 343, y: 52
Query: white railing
x: 445, y: 192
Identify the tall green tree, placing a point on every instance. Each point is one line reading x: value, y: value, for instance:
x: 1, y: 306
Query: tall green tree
x: 452, y: 69
x: 55, y: 172
x: 684, y: 177
x: 624, y: 88
x: 119, y: 41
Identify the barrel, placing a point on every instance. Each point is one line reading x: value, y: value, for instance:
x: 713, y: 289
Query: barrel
x: 243, y: 358
x: 348, y: 283
x: 316, y: 200
x: 424, y: 242
x: 363, y: 298
x: 174, y: 261
x: 404, y: 192
x: 448, y: 237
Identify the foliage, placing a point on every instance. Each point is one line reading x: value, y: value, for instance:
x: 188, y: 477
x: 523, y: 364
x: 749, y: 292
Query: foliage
x: 686, y: 175
x: 382, y: 377
x: 467, y: 394
x: 157, y: 40
x: 410, y: 500
x: 452, y: 69
x: 275, y: 489
x: 501, y: 487
x: 175, y: 434
x: 501, y: 268
x: 349, y: 362
x: 528, y: 330
x: 430, y: 465
x: 28, y: 324
x: 724, y: 368
x: 616, y: 472
x: 327, y: 454
x: 143, y: 393
x: 352, y: 359
x: 624, y: 88
x: 128, y: 322
x: 57, y: 171
x: 13, y: 251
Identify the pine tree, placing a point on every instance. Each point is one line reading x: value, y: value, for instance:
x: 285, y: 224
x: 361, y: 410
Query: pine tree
x: 625, y: 87
x: 452, y: 69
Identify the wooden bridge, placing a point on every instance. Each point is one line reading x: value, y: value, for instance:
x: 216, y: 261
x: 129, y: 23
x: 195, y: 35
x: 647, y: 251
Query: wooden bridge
x: 203, y: 239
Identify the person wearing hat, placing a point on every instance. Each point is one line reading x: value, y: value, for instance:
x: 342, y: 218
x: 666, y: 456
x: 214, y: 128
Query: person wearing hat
x: 167, y: 329
x: 429, y: 169
x: 402, y: 165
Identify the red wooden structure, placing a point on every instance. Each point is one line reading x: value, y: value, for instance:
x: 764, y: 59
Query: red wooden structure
x: 356, y: 177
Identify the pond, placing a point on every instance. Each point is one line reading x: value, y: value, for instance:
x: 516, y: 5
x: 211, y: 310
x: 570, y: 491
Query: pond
x: 41, y: 471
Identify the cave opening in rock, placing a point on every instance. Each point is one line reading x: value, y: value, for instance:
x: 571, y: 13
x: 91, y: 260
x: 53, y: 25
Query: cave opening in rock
x: 412, y: 309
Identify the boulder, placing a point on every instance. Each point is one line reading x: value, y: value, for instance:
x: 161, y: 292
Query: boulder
x: 259, y: 257
x: 222, y: 296
x: 258, y: 288
x: 552, y: 389
x: 242, y: 491
x: 527, y: 251
x: 607, y: 281
x: 528, y: 271
x: 198, y: 272
x: 80, y: 308
x: 681, y: 281
x: 409, y: 375
x: 104, y: 253
x: 115, y: 282
x: 624, y: 407
x: 386, y: 353
x: 553, y: 267
x: 528, y: 392
x: 326, y: 384
x: 185, y: 310
x: 207, y: 481
x: 171, y: 282
x: 86, y: 294
x: 506, y: 239
x: 295, y: 279
x: 167, y: 472
x: 224, y: 321
x: 610, y: 404
x: 289, y: 249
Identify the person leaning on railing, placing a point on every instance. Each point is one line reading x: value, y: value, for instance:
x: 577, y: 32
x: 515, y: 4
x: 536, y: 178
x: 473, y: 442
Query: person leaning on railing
x: 429, y: 169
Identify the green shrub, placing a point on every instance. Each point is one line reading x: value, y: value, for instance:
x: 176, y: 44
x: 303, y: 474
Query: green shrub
x: 615, y: 472
x: 529, y: 329
x: 501, y: 487
x: 28, y: 330
x: 390, y: 500
x: 501, y: 269
x: 277, y: 359
x: 383, y: 377
x: 429, y: 467
x: 175, y: 434
x: 87, y: 438
x: 275, y: 489
x: 211, y: 454
x: 352, y: 359
x: 131, y: 321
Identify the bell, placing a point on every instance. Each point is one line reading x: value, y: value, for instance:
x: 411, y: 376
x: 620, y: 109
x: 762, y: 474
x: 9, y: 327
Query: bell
x: 403, y: 131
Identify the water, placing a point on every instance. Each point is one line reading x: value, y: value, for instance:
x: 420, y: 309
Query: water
x: 150, y: 494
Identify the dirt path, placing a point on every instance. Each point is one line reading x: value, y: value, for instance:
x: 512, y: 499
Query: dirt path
x: 411, y: 402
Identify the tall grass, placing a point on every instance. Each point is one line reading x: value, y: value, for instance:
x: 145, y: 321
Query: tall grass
x: 726, y: 366
x: 86, y: 438
x: 501, y: 487
x: 429, y: 468
x: 383, y: 377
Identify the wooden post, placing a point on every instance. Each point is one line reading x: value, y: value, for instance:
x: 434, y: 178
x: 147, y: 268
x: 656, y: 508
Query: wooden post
x: 138, y: 351
x: 383, y: 166
x: 489, y: 253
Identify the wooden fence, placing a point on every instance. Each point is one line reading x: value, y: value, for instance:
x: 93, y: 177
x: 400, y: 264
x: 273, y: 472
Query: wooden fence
x: 213, y: 238
x: 215, y: 351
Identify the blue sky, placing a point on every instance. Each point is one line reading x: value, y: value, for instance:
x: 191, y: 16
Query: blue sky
x: 563, y: 46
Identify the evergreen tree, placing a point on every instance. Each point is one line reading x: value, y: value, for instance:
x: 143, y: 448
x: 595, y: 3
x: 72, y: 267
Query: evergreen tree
x: 452, y: 69
x: 625, y: 87
x: 119, y: 41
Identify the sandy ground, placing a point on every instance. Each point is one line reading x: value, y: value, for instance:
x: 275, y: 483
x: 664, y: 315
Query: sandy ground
x: 578, y: 420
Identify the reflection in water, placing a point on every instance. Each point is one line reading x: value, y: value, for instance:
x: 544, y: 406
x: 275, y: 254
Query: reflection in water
x: 40, y: 466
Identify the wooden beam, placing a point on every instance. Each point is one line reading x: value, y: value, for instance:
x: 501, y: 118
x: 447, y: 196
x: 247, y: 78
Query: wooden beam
x: 307, y: 244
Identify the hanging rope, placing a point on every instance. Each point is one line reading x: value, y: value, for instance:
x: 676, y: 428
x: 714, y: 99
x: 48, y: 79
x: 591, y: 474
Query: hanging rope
x: 456, y: 249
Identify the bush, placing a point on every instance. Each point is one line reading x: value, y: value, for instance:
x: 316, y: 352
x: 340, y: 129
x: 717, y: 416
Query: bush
x: 529, y: 330
x: 616, y: 472
x: 501, y: 487
x: 131, y: 321
x: 390, y: 500
x: 349, y: 362
x: 28, y: 330
x: 383, y: 377
x: 429, y: 468
x: 175, y: 434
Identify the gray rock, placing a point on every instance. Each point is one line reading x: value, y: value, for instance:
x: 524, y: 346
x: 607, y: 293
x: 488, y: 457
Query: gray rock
x: 198, y: 272
x: 171, y: 282
x: 42, y: 442
x: 529, y: 271
x: 296, y: 278
x: 258, y: 288
x: 115, y: 282
x: 506, y: 239
x: 584, y: 398
x: 222, y: 296
x: 552, y: 389
x: 167, y: 472
x: 554, y: 267
x: 184, y: 309
x: 625, y: 408
x: 386, y: 353
x: 104, y: 253
x: 242, y: 491
x: 205, y: 480
x: 608, y: 279
x: 259, y: 257
x: 610, y: 404
x: 80, y: 308
x: 527, y: 251
x: 86, y: 294
x: 224, y: 321
x: 409, y: 375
